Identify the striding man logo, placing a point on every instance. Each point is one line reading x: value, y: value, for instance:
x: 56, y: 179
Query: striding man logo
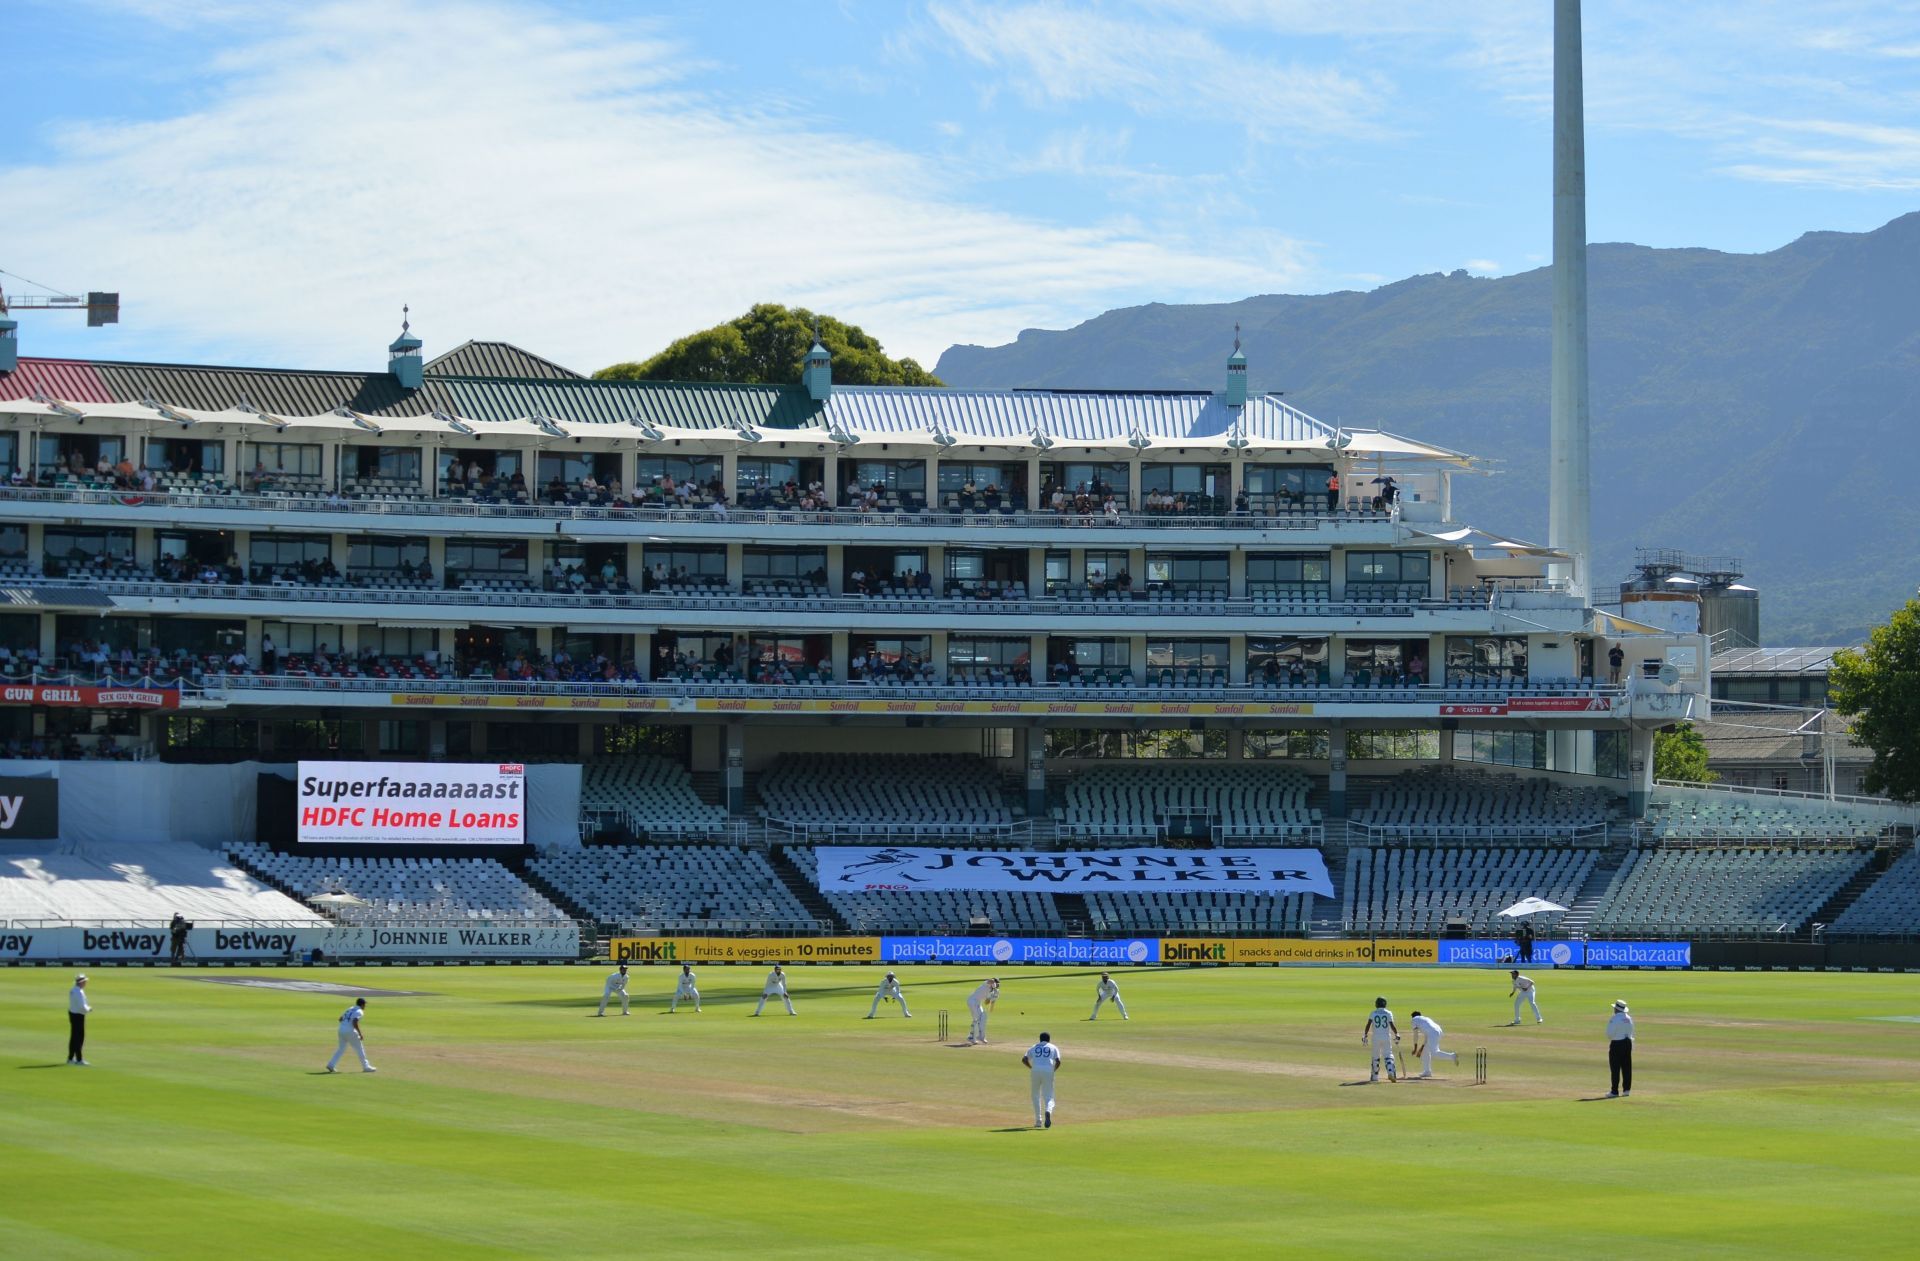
x: 891, y: 860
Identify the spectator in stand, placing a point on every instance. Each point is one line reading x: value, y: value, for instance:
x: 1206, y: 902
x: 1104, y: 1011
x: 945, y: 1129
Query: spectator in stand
x: 269, y: 655
x: 1616, y: 656
x: 1416, y: 669
x: 1333, y: 491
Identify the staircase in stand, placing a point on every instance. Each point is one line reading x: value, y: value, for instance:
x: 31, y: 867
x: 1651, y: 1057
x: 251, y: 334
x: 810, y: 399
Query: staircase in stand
x: 709, y: 787
x: 1848, y: 893
x: 273, y: 882
x: 802, y: 887
x: 1074, y: 914
x: 549, y: 891
x: 1573, y: 924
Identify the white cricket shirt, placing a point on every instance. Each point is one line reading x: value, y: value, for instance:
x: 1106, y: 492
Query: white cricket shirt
x: 350, y: 1018
x: 1380, y: 1020
x: 1619, y: 1026
x: 1044, y: 1056
x: 1425, y: 1025
x: 77, y: 1001
x: 1523, y: 983
x: 1109, y: 988
x: 981, y: 995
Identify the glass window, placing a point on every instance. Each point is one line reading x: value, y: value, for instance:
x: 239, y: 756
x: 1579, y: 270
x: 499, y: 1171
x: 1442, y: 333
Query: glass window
x: 487, y: 556
x: 875, y: 655
x: 1207, y: 481
x: 305, y: 638
x: 198, y: 637
x: 73, y: 547
x: 787, y: 564
x: 1272, y: 660
x: 287, y: 551
x: 1172, y: 742
x: 379, y: 553
x: 1188, y: 571
x: 1187, y: 654
x: 1386, y: 660
x: 1380, y: 568
x: 1471, y: 657
x: 1289, y: 573
x: 389, y: 464
x: 1105, y: 567
x: 1279, y: 742
x: 1099, y: 480
x: 282, y: 459
x: 1393, y: 746
x: 669, y: 563
x: 989, y: 658
x: 1281, y: 484
x: 701, y: 470
x: 9, y: 453
x: 399, y: 641
x: 186, y: 455
x: 13, y: 542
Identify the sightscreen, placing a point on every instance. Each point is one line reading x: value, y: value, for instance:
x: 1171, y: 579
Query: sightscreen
x: 411, y: 803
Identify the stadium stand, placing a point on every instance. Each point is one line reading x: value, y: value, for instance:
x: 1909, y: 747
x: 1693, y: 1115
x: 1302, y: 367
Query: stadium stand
x: 148, y: 880
x: 648, y: 795
x: 1200, y: 913
x: 936, y: 912
x: 1891, y: 904
x: 1135, y: 800
x: 932, y: 791
x: 1418, y: 890
x: 1452, y: 800
x: 676, y: 888
x: 406, y: 888
x: 1756, y: 818
x: 1729, y: 889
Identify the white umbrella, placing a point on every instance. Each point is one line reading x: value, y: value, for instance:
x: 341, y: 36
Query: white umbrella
x: 1532, y: 906
x: 337, y: 899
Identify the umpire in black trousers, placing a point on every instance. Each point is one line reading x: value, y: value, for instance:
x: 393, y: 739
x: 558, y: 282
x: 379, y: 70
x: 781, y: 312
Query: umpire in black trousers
x: 1620, y: 1051
x: 77, y: 1009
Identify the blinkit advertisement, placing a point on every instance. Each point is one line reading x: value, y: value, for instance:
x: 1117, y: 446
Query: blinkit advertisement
x: 411, y: 803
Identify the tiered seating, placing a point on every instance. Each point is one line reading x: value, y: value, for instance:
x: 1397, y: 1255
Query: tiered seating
x: 934, y: 791
x: 146, y: 881
x: 676, y: 888
x: 1891, y: 904
x: 1755, y: 817
x: 1011, y: 911
x: 407, y: 888
x: 1418, y: 890
x: 384, y: 489
x: 1724, y: 888
x: 647, y: 794
x: 1133, y: 914
x: 1132, y: 800
x: 1456, y: 801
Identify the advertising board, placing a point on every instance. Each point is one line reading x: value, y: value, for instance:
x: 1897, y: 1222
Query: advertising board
x: 411, y: 803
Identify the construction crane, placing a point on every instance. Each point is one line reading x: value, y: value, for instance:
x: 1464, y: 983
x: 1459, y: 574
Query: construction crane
x: 101, y: 309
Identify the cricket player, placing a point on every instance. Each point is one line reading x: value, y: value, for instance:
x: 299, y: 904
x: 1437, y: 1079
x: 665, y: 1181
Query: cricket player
x: 616, y: 984
x: 1107, y: 991
x: 889, y: 991
x: 352, y: 1036
x: 776, y: 987
x: 980, y: 1002
x: 1426, y: 1044
x: 1523, y: 993
x: 1043, y: 1058
x: 687, y: 989
x: 1383, y: 1033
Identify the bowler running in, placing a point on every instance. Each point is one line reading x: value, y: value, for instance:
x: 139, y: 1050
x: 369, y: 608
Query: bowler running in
x: 686, y: 989
x: 1382, y: 1033
x: 889, y: 992
x: 616, y: 984
x: 1108, y: 991
x: 1524, y: 992
x: 776, y: 987
x: 351, y: 1035
x: 980, y: 1002
x: 1426, y: 1044
x: 1043, y: 1058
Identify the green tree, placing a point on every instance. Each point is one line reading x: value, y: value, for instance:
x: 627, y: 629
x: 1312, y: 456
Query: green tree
x: 1878, y: 687
x: 1680, y: 754
x: 766, y: 346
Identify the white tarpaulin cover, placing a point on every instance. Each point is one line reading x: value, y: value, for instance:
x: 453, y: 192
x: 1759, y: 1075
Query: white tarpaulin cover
x: 908, y: 869
x: 1532, y: 906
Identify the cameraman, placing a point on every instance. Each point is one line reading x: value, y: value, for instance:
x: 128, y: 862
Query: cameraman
x: 179, y: 928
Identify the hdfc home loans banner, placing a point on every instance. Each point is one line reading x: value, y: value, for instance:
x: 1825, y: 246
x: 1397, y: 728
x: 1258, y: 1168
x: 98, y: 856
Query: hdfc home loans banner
x: 412, y: 803
x: 907, y: 869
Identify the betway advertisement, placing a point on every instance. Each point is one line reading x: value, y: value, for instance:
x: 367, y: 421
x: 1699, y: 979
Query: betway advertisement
x: 336, y: 941
x: 29, y: 809
x: 916, y: 868
x: 412, y: 803
x: 1017, y: 950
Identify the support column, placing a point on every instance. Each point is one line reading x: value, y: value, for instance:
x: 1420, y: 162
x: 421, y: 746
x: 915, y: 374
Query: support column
x: 836, y: 570
x: 338, y: 551
x: 145, y: 547
x: 1337, y: 571
x: 1134, y: 497
x: 1639, y: 770
x: 1237, y: 660
x: 49, y: 638
x: 734, y: 769
x: 1137, y: 654
x: 840, y: 650
x: 437, y: 739
x: 1336, y: 770
x: 1036, y: 771
x: 730, y: 475
x: 938, y: 656
x: 937, y: 568
x: 1037, y: 658
x: 1237, y: 569
x: 736, y: 566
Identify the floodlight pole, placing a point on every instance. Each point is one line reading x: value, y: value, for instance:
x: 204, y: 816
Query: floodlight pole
x: 1570, y: 488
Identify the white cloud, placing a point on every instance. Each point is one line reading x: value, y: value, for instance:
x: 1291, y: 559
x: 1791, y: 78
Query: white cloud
x: 552, y: 181
x: 1483, y: 266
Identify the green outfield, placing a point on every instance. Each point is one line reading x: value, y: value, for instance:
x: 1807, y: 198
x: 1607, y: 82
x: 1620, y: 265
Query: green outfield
x: 1774, y: 1115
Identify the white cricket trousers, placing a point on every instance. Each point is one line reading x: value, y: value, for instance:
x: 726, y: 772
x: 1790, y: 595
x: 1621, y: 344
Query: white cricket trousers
x: 1101, y: 998
x: 349, y: 1040
x: 1432, y: 1053
x: 1526, y: 999
x: 875, y: 1010
x: 1383, y: 1050
x: 609, y: 993
x: 1042, y: 1095
x: 765, y: 995
x: 688, y: 993
x: 977, y: 1032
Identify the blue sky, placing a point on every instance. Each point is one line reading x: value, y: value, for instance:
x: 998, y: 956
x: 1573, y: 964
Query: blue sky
x: 268, y: 182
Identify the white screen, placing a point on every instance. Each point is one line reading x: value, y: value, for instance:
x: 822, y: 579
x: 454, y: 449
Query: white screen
x: 412, y: 803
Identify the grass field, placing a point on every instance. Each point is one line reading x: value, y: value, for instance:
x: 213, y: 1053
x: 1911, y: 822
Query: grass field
x: 1774, y: 1115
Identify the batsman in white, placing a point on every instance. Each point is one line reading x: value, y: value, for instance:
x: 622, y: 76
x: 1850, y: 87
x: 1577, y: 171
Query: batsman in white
x: 980, y: 1002
x: 1043, y: 1058
x: 351, y: 1036
x: 616, y: 984
x: 776, y: 987
x: 1523, y: 992
x: 1383, y: 1033
x: 685, y: 989
x: 1426, y: 1044
x: 1107, y: 991
x: 889, y: 992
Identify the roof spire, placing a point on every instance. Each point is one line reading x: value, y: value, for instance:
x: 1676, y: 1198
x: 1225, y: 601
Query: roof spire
x: 406, y: 324
x: 1236, y: 393
x: 1236, y: 334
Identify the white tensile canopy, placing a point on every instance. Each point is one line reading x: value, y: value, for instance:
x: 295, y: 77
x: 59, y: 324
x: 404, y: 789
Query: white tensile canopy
x: 1531, y: 906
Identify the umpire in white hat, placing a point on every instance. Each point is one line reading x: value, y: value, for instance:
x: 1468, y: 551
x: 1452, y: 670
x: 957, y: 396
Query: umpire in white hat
x: 1620, y: 1051
x: 77, y: 1009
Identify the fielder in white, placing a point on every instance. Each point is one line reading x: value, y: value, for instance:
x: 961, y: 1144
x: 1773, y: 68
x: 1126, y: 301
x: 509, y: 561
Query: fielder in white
x: 980, y: 1002
x: 686, y: 989
x: 776, y: 987
x: 616, y: 984
x: 1426, y: 1044
x: 1107, y: 991
x: 352, y: 1036
x: 1043, y: 1057
x: 1383, y: 1033
x: 1523, y: 993
x: 889, y: 992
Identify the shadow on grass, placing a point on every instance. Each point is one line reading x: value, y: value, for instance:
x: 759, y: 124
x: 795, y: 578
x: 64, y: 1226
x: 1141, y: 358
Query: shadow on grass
x: 1015, y: 1129
x: 40, y: 1066
x: 1600, y: 1099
